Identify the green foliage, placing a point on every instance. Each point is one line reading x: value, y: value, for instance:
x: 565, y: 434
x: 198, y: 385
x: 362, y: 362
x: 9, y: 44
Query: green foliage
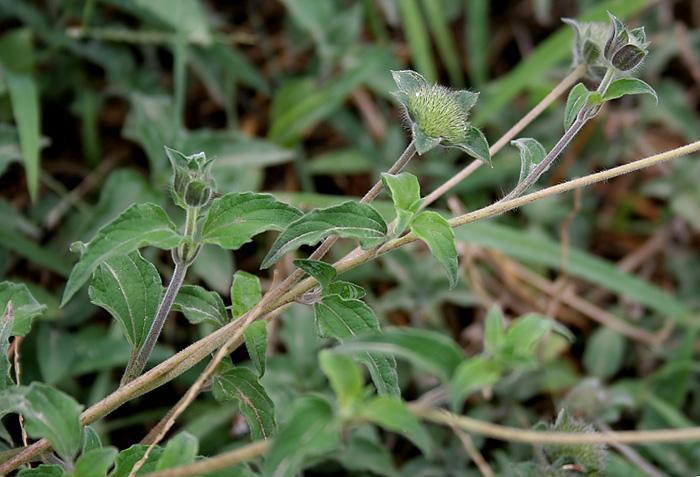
x: 200, y: 305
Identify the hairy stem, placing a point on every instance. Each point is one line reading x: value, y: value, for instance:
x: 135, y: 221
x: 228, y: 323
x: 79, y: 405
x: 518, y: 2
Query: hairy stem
x: 185, y: 359
x: 135, y: 367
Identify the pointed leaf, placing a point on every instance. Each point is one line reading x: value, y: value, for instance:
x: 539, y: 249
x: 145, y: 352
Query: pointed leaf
x: 523, y: 334
x: 96, y: 462
x: 198, y: 305
x: 424, y: 143
x: 349, y: 219
x: 47, y: 413
x: 494, y: 331
x: 466, y: 99
x: 625, y: 86
x: 91, y: 440
x: 181, y: 450
x: 342, y: 319
x: 344, y: 375
x: 245, y: 293
x: 311, y: 430
x: 408, y: 80
x: 129, y: 457
x: 404, y: 188
x: 254, y: 403
x: 531, y: 154
x: 25, y: 307
x: 430, y: 351
x: 346, y: 290
x: 472, y: 375
x: 256, y: 343
x: 576, y: 100
x: 129, y: 288
x: 605, y: 352
x: 366, y: 453
x: 137, y: 226
x: 235, y: 218
x: 474, y: 144
x: 436, y: 232
x: 393, y: 415
x: 405, y: 192
x: 323, y: 272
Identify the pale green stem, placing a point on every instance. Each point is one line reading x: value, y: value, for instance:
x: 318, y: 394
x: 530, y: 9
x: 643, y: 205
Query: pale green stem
x: 185, y: 359
x: 183, y: 257
x: 512, y: 434
x: 582, y: 118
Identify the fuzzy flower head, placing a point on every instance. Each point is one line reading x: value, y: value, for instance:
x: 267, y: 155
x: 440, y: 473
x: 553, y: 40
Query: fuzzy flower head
x: 599, y: 48
x: 439, y: 116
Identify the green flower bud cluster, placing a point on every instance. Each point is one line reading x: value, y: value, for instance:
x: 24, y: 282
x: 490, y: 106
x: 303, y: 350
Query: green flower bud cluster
x: 438, y: 115
x: 191, y: 184
x: 587, y: 458
x: 599, y: 49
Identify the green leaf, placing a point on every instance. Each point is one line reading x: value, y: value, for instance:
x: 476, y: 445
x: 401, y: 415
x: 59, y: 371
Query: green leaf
x: 494, y: 331
x: 129, y: 457
x: 311, y: 430
x: 48, y: 413
x: 24, y: 97
x: 57, y: 353
x: 254, y: 403
x: 24, y: 306
x: 424, y: 143
x: 349, y: 219
x: 342, y: 319
x: 405, y: 192
x: 199, y: 305
x: 346, y: 290
x: 96, y: 462
x: 181, y: 450
x: 472, y: 375
x: 576, y: 100
x: 6, y: 322
x: 436, y: 232
x: 430, y: 351
x: 44, y: 471
x: 523, y: 334
x: 323, y: 272
x: 256, y: 343
x: 236, y: 218
x: 245, y: 293
x: 363, y: 453
x: 408, y: 80
x: 393, y: 415
x: 91, y: 440
x: 474, y: 144
x: 187, y: 16
x: 344, y: 375
x: 531, y: 154
x: 624, y: 86
x: 604, y: 353
x: 129, y: 288
x: 137, y: 226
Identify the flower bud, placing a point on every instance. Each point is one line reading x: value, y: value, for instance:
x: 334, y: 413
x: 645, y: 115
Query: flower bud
x: 438, y: 115
x: 191, y: 184
x: 625, y: 49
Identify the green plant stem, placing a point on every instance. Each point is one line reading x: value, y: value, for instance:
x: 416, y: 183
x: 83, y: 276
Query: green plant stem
x: 185, y: 359
x: 135, y: 367
x: 558, y: 90
x: 584, y: 115
x: 221, y: 461
x: 183, y: 258
x: 512, y: 434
